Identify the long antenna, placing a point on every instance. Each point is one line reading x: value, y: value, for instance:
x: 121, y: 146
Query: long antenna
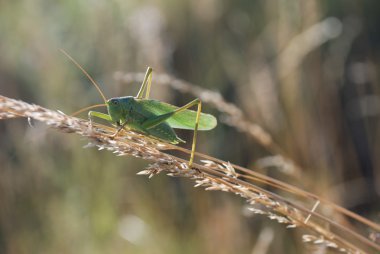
x: 87, y: 108
x: 85, y: 73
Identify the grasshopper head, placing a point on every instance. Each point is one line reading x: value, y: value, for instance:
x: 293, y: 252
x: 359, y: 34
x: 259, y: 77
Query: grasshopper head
x: 115, y: 109
x: 118, y: 107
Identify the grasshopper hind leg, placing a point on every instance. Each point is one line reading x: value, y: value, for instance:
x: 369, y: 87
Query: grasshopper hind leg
x: 157, y: 120
x: 195, y: 132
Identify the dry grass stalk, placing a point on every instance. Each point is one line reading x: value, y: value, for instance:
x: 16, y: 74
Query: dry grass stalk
x: 211, y: 173
x: 232, y: 115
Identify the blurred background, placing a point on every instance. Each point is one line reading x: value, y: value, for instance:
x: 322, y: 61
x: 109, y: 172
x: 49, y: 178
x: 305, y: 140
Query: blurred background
x: 305, y: 71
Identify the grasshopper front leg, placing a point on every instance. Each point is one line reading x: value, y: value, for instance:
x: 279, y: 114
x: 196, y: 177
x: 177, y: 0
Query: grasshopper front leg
x: 99, y: 115
x: 107, y: 118
x: 120, y: 125
x: 104, y: 117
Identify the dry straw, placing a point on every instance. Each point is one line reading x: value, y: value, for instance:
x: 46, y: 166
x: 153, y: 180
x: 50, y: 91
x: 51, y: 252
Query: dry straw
x: 231, y: 114
x: 288, y: 208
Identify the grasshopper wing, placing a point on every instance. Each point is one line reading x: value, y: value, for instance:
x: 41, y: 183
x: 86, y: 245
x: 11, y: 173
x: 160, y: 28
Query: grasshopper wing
x: 182, y: 120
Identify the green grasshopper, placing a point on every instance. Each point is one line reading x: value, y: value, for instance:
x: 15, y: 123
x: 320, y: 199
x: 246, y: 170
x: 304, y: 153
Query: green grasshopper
x: 153, y: 118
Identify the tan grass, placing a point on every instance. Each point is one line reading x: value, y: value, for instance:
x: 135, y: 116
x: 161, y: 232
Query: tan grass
x: 288, y: 206
x: 234, y: 117
x: 231, y: 114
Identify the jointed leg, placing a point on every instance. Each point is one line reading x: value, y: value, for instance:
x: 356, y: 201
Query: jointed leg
x: 150, y: 123
x: 104, y: 117
x: 147, y: 91
x: 154, y: 121
x: 109, y: 119
x: 119, y: 129
x: 145, y: 86
x: 195, y: 133
x: 99, y: 115
x: 122, y: 126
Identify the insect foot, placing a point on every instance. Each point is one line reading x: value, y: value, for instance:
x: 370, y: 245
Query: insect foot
x: 196, y: 169
x: 117, y: 132
x: 113, y: 136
